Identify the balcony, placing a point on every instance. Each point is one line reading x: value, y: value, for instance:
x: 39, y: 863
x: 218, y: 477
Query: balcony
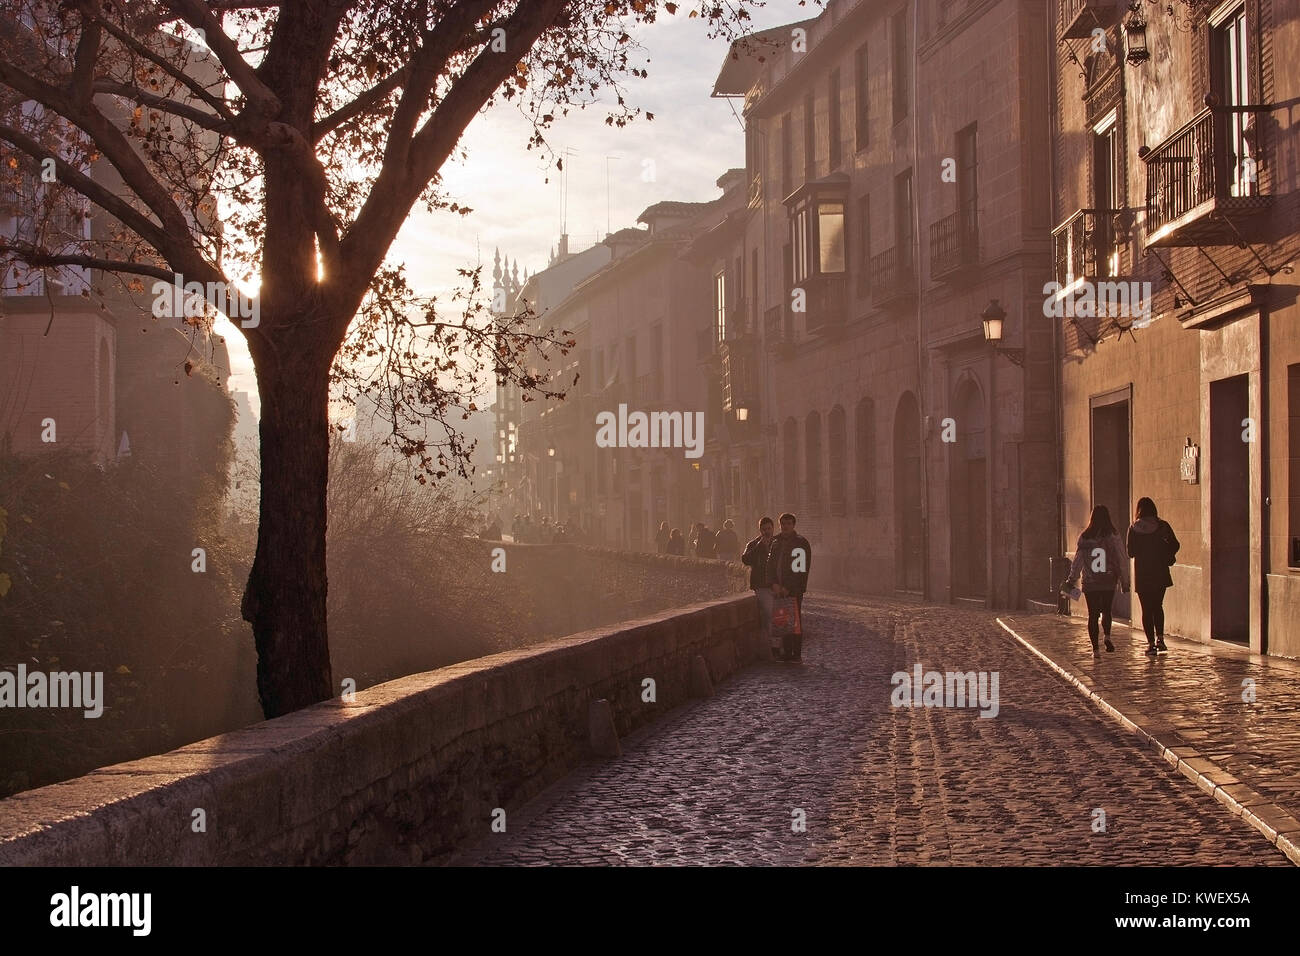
x: 649, y: 387
x: 706, y: 345
x: 740, y: 372
x: 825, y: 302
x: 738, y: 320
x: 1077, y: 19
x: 1087, y: 245
x: 777, y: 329
x: 893, y: 278
x: 954, y: 247
x: 1198, y: 193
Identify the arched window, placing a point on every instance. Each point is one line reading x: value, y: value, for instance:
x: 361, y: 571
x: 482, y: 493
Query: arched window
x: 790, y: 463
x: 864, y: 423
x: 813, y: 450
x: 835, y: 434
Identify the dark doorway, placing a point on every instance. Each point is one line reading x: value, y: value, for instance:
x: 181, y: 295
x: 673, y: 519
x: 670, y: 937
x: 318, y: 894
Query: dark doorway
x: 968, y: 481
x: 1111, y: 467
x: 907, y: 494
x: 1229, y: 511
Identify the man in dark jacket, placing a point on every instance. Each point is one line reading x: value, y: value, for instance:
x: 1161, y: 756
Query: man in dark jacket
x: 788, y: 562
x: 704, y: 544
x: 1152, y: 544
x: 726, y: 544
x: 760, y: 582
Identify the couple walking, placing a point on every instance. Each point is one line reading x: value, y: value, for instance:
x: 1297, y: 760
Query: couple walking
x: 778, y: 568
x: 1102, y: 557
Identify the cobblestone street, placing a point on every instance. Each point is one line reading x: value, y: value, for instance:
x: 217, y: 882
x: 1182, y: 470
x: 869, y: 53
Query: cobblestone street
x: 725, y: 780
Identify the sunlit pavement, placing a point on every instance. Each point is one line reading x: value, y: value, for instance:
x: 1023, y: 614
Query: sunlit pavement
x: 810, y: 764
x: 1230, y: 718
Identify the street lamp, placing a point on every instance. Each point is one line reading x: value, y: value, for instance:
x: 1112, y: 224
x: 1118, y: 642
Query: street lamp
x: 993, y: 318
x: 1135, y: 30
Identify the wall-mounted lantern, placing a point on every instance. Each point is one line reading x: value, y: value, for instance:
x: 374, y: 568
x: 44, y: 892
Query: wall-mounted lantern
x: 1135, y: 33
x: 742, y: 414
x: 993, y: 317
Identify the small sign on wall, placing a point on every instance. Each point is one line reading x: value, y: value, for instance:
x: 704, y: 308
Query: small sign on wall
x: 1190, y: 466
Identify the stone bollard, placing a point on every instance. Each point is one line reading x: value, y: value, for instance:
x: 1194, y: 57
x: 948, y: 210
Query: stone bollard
x: 600, y: 729
x: 701, y: 682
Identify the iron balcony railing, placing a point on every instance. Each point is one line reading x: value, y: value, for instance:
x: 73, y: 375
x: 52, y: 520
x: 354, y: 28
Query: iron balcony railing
x: 1199, y: 163
x: 893, y: 276
x: 1087, y: 244
x: 1078, y: 18
x: 776, y: 326
x: 826, y: 303
x: 954, y: 244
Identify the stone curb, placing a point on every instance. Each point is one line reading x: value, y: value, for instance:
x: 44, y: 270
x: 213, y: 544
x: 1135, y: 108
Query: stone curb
x: 1277, y: 826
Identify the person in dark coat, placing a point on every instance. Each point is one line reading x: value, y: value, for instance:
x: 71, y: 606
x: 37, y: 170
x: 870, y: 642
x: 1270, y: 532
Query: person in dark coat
x: 704, y: 544
x: 726, y: 544
x: 676, y: 543
x: 1152, y: 544
x: 760, y: 581
x: 661, y: 538
x: 789, y: 562
x: 1101, y: 558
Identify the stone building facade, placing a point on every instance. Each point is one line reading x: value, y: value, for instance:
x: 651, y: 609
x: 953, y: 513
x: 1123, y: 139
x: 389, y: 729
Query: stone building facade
x: 1176, y: 164
x: 897, y: 185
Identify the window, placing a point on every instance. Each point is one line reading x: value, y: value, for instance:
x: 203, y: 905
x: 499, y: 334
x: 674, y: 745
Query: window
x: 861, y: 97
x: 864, y: 244
x: 753, y: 288
x: 809, y: 138
x: 833, y: 115
x: 790, y: 462
x: 813, y: 448
x: 1107, y: 180
x: 787, y: 156
x: 902, y: 65
x: 720, y: 305
x: 1232, y: 83
x: 630, y: 352
x: 967, y: 184
x: 836, y: 439
x: 830, y: 234
x: 904, y: 230
x: 818, y: 237
x: 865, y: 449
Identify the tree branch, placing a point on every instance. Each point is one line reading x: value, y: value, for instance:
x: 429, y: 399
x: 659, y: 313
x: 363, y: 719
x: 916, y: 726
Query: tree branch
x: 261, y: 99
x: 33, y: 256
x: 208, y: 121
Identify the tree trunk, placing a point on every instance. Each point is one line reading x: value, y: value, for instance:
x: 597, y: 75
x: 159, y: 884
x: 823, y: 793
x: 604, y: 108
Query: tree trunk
x: 285, y: 596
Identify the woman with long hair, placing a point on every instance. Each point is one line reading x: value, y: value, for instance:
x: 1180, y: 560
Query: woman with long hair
x: 1153, y: 544
x: 1101, y: 558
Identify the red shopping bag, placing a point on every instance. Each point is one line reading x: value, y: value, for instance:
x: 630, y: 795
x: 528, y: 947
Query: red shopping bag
x: 785, y: 617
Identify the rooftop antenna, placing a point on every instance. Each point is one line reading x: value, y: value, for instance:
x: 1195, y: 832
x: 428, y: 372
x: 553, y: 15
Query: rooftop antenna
x: 607, y: 194
x: 564, y: 189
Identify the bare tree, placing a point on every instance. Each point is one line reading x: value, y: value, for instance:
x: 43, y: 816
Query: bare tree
x: 292, y: 140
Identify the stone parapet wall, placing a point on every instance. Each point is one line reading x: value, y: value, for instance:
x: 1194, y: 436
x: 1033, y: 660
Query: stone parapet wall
x: 402, y: 773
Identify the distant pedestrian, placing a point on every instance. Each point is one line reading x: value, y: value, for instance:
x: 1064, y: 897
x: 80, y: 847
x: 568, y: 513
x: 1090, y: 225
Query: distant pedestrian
x: 726, y: 545
x: 676, y: 543
x: 789, y: 562
x: 661, y: 538
x: 1101, y: 558
x: 760, y: 581
x: 1153, y: 547
x: 704, y: 544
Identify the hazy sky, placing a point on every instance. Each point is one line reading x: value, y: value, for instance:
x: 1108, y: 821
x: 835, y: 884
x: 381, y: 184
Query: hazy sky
x: 691, y: 141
